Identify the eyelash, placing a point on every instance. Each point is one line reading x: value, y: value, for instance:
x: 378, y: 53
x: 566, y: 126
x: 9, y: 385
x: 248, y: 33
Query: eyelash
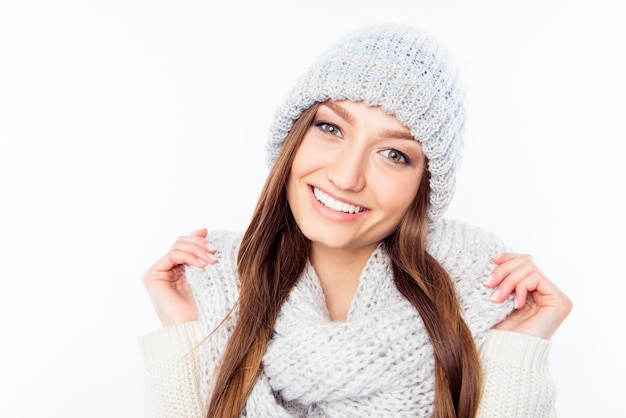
x: 405, y: 158
x: 322, y: 125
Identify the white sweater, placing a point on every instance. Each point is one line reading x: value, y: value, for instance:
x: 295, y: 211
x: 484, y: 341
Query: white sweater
x: 378, y: 362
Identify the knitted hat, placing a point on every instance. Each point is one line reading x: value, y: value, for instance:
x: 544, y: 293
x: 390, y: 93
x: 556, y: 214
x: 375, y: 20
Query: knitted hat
x: 408, y: 74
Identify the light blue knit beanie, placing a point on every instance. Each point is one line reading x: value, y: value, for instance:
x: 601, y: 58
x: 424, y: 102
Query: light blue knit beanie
x: 406, y: 72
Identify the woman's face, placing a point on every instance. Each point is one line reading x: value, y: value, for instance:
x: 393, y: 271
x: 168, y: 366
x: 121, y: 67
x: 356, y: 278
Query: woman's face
x: 354, y: 176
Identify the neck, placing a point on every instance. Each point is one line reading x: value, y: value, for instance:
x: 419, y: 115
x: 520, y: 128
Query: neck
x: 338, y: 271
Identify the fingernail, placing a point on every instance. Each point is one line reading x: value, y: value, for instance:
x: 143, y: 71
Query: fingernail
x: 210, y: 247
x: 495, y: 257
x: 488, y: 280
x: 515, y: 305
x: 495, y: 295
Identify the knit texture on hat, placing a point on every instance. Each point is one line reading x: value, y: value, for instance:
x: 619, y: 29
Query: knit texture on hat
x: 406, y: 72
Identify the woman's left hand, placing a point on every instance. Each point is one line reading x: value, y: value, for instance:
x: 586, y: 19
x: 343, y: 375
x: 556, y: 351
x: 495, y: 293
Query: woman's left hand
x: 540, y: 306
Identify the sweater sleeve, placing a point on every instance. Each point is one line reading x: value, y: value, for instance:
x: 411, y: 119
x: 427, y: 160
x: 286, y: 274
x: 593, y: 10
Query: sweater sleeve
x: 516, y: 377
x: 171, y: 372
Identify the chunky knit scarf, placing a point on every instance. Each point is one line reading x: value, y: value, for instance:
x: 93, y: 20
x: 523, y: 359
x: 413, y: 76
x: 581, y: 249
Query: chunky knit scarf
x: 377, y: 363
x: 367, y: 365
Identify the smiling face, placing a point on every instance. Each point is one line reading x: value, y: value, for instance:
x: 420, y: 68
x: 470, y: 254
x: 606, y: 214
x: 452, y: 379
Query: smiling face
x: 355, y: 174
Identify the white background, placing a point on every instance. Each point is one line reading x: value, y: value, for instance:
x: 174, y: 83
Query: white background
x: 124, y: 124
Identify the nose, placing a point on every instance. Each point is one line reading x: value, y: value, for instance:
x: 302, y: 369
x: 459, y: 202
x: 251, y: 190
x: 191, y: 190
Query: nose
x: 347, y: 171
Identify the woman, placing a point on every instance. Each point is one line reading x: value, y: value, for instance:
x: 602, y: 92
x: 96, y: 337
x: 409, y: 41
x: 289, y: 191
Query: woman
x: 349, y: 294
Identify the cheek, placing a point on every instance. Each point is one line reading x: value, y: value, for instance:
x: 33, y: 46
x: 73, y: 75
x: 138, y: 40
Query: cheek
x: 308, y: 158
x: 302, y: 165
x: 399, y: 194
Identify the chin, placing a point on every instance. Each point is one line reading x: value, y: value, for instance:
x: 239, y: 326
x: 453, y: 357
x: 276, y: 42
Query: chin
x: 338, y: 240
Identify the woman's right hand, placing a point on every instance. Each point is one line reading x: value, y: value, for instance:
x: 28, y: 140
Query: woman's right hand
x: 166, y: 283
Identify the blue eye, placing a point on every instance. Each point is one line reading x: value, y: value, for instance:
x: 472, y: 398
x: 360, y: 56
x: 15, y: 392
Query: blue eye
x: 396, y: 156
x: 329, y: 128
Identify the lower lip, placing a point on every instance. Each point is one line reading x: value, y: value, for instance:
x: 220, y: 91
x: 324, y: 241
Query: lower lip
x: 332, y: 214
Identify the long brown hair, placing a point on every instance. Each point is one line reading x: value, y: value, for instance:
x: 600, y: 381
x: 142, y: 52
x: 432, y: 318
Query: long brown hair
x: 428, y: 286
x: 272, y: 256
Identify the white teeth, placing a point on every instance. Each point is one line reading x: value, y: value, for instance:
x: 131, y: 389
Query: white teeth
x: 334, y: 204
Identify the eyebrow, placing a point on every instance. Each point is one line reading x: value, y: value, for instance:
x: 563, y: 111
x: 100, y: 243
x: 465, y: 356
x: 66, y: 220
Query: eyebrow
x: 349, y: 117
x: 395, y: 134
x: 343, y: 113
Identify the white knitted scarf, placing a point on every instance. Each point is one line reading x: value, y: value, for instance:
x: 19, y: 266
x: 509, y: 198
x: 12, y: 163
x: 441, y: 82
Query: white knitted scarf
x: 379, y: 362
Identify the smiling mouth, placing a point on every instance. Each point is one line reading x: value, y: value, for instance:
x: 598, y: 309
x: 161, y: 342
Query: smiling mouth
x: 333, y: 204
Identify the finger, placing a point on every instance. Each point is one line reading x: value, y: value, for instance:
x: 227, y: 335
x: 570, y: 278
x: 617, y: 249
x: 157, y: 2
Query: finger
x: 194, y: 250
x: 515, y: 273
x: 507, y: 264
x: 199, y: 240
x: 523, y: 288
x: 174, y: 259
x: 201, y: 232
x: 537, y: 284
x: 199, y: 253
x: 507, y: 256
x: 509, y: 261
x: 193, y: 244
x: 547, y: 294
x: 511, y: 281
x: 193, y: 256
x: 534, y: 282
